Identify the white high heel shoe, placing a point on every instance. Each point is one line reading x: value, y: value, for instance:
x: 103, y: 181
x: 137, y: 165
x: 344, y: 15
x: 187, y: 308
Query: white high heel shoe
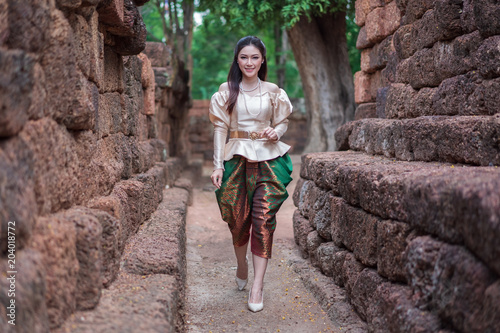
x: 255, y: 307
x: 240, y: 282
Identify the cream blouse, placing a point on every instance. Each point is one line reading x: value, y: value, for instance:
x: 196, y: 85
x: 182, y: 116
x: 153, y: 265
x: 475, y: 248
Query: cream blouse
x: 276, y: 108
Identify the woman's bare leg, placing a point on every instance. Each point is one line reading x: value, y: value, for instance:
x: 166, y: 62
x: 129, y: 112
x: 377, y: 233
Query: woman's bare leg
x: 241, y: 254
x: 259, y: 269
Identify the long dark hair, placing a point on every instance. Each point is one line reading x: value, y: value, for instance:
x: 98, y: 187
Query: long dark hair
x: 234, y: 77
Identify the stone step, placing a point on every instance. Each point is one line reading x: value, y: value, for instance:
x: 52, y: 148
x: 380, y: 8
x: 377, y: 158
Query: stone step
x: 456, y: 203
x: 462, y: 139
x: 148, y: 294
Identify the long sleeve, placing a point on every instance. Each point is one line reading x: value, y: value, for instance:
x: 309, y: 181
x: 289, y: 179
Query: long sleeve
x: 282, y: 109
x: 220, y: 119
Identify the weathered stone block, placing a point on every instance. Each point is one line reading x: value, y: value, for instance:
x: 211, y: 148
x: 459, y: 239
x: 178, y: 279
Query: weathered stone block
x: 113, y: 72
x: 88, y: 252
x: 338, y: 274
x: 301, y: 228
x: 351, y: 269
x: 111, y: 13
x: 382, y: 22
x: 455, y: 282
x: 381, y: 102
x: 336, y: 207
x: 314, y: 240
x: 342, y: 135
x: 4, y: 27
x: 486, y: 13
x: 324, y: 254
x: 363, y: 292
x: 60, y: 263
x: 30, y: 25
x: 131, y: 36
x: 358, y: 231
x: 90, y: 45
x: 158, y: 54
x: 403, y: 42
x: 130, y: 194
x: 366, y: 110
x: 16, y: 84
x: 110, y: 249
x: 395, y: 311
x: 17, y: 190
x: 362, y: 42
x: 362, y: 8
x: 376, y: 58
x: 186, y: 184
x: 487, y: 57
x: 414, y: 9
x: 392, y: 239
x: 30, y: 293
x: 297, y: 191
x: 466, y: 94
x: 439, y: 199
x: 165, y: 238
x: 54, y: 174
x: 362, y: 88
x: 320, y: 215
x: 429, y: 67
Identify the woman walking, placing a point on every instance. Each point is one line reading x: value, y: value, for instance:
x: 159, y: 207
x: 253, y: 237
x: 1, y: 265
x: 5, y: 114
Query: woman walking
x: 253, y: 168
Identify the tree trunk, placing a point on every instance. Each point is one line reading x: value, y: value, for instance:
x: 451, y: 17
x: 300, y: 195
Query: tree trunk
x: 280, y: 53
x: 320, y: 50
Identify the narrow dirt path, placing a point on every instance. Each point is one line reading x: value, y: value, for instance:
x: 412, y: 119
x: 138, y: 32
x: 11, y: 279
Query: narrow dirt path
x: 214, y: 303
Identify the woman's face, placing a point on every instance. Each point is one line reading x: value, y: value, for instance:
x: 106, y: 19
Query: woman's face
x: 249, y: 60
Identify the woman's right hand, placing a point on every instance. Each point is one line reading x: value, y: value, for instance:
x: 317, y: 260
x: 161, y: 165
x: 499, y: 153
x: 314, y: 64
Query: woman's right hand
x: 217, y: 177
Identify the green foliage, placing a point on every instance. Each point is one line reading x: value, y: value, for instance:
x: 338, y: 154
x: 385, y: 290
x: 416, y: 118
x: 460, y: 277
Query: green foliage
x: 213, y: 50
x: 153, y: 22
x: 352, y: 31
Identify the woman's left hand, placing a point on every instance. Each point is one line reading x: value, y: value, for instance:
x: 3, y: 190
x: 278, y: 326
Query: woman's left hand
x: 270, y: 134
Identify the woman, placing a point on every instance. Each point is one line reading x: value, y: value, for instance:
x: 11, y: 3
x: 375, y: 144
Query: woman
x: 253, y: 168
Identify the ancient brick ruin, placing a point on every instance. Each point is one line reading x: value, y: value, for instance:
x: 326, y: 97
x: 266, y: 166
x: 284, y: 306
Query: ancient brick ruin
x: 85, y: 127
x: 406, y: 218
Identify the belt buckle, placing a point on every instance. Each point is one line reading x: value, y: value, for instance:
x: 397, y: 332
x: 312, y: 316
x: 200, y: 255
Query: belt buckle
x: 253, y: 135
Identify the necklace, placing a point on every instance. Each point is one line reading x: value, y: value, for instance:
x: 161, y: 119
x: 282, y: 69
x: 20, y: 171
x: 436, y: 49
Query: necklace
x: 260, y: 98
x: 257, y: 85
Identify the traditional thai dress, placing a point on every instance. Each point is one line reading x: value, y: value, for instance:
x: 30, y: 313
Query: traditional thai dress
x: 256, y: 171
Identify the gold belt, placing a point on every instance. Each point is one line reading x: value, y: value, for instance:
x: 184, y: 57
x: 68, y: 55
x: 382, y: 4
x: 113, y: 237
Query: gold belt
x: 244, y: 135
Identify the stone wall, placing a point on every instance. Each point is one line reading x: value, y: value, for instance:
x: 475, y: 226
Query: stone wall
x: 406, y: 217
x: 201, y: 129
x: 81, y: 162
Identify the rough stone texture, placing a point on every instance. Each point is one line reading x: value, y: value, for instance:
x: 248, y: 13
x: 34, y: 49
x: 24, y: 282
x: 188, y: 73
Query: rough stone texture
x: 16, y: 84
x: 159, y: 246
x: 55, y: 238
x: 440, y: 199
x: 301, y: 228
x: 313, y: 241
x: 351, y: 269
x: 325, y: 253
x: 358, y: 231
x: 451, y: 280
x: 366, y: 110
x: 429, y: 139
x: 376, y: 58
x: 79, y: 156
x: 30, y: 293
x: 486, y: 13
x: 133, y: 303
x: 363, y: 291
x: 88, y: 252
x: 429, y: 67
x: 392, y: 239
x: 487, y: 57
x: 395, y: 311
x: 331, y: 297
x: 382, y: 22
x: 432, y: 82
x: 320, y: 214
